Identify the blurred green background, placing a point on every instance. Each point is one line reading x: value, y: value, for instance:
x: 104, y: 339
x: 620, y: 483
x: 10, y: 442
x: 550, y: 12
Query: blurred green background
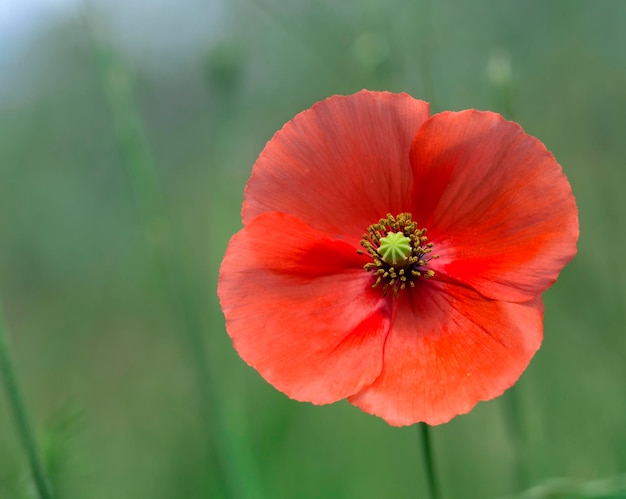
x: 108, y: 271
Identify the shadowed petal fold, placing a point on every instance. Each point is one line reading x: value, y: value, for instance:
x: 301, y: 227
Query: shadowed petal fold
x: 496, y: 203
x: 448, y: 349
x: 339, y: 165
x: 300, y: 309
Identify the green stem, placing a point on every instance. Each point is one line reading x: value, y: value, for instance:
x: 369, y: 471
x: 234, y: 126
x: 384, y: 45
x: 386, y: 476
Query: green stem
x: 429, y: 461
x: 16, y: 403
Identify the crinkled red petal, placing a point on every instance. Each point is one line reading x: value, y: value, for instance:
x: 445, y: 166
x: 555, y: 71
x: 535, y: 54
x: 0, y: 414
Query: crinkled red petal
x: 300, y: 309
x: 448, y: 349
x: 496, y: 203
x: 340, y: 165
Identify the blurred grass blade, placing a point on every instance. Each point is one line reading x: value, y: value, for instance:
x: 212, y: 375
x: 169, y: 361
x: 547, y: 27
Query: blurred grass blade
x: 514, y: 422
x: 235, y: 469
x: 500, y: 76
x: 18, y: 408
x: 605, y: 488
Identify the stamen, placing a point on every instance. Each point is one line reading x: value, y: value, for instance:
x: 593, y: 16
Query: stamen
x: 400, y: 252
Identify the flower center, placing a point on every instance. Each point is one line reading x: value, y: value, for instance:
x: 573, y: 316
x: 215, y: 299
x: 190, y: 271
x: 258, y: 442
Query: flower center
x: 399, y: 251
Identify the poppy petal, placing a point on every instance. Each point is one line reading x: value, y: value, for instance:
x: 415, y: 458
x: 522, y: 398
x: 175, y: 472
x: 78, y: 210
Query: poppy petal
x: 497, y: 205
x: 340, y: 165
x: 300, y: 309
x: 449, y: 348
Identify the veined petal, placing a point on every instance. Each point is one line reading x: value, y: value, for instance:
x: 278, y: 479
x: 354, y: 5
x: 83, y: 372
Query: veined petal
x: 448, y: 349
x: 300, y: 309
x: 340, y: 165
x: 497, y: 205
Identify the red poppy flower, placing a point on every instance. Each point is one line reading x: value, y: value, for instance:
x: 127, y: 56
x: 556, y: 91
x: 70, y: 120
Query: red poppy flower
x: 333, y: 289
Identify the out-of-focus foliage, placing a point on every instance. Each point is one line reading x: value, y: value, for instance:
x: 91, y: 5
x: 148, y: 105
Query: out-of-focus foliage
x: 102, y: 359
